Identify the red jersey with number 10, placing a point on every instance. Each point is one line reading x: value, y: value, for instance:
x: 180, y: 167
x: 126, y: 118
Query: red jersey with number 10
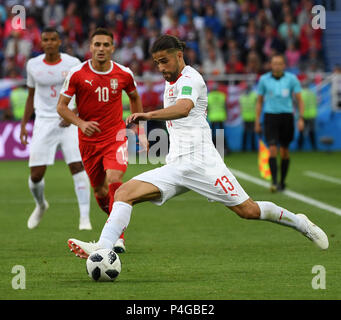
x: 99, y: 97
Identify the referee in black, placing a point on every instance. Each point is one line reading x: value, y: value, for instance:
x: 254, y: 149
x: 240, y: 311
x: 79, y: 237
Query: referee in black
x: 276, y: 91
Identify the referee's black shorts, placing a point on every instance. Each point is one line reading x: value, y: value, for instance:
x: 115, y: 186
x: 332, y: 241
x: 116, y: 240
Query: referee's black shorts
x: 279, y: 128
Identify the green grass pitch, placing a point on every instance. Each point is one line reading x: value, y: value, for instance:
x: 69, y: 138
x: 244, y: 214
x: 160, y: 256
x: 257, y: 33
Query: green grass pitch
x: 186, y: 249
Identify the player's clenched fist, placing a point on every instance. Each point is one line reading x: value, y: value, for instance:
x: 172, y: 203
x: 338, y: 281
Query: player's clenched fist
x: 89, y: 127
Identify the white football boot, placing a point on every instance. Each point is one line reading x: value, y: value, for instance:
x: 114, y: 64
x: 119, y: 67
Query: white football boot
x: 314, y: 233
x: 119, y: 246
x: 37, y: 214
x: 82, y: 249
x: 85, y: 224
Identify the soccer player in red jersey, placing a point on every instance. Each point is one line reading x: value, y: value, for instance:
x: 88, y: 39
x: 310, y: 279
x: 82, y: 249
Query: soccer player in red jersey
x: 98, y: 84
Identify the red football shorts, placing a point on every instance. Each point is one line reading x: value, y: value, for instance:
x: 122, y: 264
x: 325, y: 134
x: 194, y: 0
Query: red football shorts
x: 99, y: 157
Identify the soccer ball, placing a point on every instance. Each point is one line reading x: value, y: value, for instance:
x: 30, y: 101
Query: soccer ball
x: 103, y: 265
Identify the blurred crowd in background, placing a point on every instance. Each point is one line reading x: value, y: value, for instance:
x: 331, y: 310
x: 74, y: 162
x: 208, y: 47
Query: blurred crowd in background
x: 222, y: 36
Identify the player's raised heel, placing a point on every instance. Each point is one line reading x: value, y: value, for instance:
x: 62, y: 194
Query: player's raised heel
x: 314, y: 233
x: 82, y: 249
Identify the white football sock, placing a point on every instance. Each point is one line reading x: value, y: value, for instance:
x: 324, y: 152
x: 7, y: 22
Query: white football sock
x: 271, y: 212
x: 82, y: 189
x: 37, y: 190
x: 117, y: 222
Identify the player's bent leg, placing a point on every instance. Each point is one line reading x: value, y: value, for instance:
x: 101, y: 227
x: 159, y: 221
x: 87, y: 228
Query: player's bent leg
x: 37, y: 186
x: 265, y: 210
x: 247, y: 210
x: 82, y: 190
x: 131, y: 192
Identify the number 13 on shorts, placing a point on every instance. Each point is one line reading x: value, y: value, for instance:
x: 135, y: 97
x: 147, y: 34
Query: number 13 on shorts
x: 225, y: 184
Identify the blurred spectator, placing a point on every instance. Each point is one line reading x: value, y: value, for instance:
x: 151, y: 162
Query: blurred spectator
x: 34, y: 9
x: 192, y: 59
x: 289, y: 30
x: 18, y: 48
x: 211, y: 20
x: 234, y: 65
x: 3, y: 14
x: 216, y: 113
x: 129, y: 52
x: 304, y: 16
x: 247, y: 102
x: 232, y: 49
x: 207, y: 40
x: 292, y: 55
x: 226, y: 9
x: 253, y: 63
x: 310, y: 112
x: 53, y: 14
x: 130, y: 4
x: 271, y: 42
x: 18, y: 98
x: 213, y: 64
x: 32, y: 34
x: 167, y: 19
x: 268, y: 8
x: 252, y: 37
x: 309, y: 38
x: 72, y: 24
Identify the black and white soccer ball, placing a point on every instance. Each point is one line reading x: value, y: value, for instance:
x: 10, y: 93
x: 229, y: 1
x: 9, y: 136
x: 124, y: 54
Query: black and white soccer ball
x: 103, y: 265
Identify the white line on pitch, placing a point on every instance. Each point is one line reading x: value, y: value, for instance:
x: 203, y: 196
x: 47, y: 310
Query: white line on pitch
x: 321, y: 176
x: 289, y: 193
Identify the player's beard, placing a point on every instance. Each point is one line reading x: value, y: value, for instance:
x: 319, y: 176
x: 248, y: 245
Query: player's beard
x: 172, y: 75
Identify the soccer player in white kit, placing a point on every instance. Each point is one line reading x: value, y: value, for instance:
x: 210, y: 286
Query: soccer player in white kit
x: 193, y: 163
x: 45, y: 76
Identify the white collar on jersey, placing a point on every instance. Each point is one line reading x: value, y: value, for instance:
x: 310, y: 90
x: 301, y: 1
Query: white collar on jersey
x: 99, y: 72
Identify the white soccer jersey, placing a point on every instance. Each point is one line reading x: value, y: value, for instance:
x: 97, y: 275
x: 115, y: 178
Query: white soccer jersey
x: 47, y: 79
x: 189, y: 136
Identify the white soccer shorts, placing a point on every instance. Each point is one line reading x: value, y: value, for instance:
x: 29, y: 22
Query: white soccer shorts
x: 216, y: 183
x: 47, y: 137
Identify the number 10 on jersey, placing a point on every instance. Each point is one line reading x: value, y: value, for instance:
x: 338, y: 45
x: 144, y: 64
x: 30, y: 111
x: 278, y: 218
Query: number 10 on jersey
x: 103, y: 94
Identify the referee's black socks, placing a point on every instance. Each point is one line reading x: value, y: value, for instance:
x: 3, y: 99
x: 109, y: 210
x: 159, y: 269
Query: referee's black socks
x: 273, y: 169
x: 284, y: 169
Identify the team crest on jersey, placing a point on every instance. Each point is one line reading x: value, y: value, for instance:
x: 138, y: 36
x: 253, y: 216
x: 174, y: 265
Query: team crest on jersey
x: 114, y: 85
x: 171, y: 93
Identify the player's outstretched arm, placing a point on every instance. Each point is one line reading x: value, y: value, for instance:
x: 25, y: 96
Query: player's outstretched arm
x: 180, y: 110
x: 27, y: 115
x: 87, y: 127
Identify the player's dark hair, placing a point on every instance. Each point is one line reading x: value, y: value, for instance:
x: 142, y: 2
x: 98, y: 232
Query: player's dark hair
x: 51, y: 29
x: 102, y: 32
x: 168, y: 43
x: 279, y: 55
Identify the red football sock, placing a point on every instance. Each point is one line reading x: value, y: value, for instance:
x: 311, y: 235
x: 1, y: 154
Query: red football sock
x: 112, y: 189
x: 104, y: 203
